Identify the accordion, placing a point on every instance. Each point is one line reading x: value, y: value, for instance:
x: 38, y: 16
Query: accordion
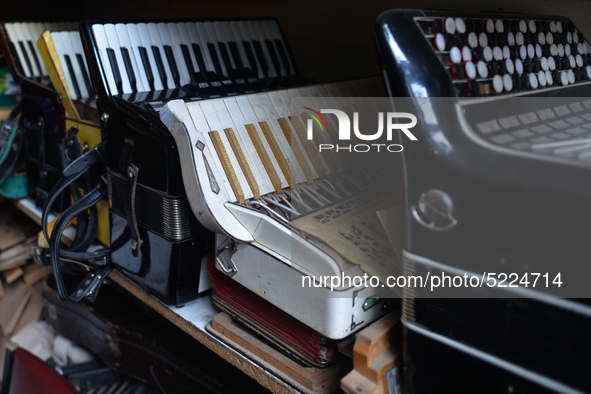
x: 135, y: 69
x: 495, y: 183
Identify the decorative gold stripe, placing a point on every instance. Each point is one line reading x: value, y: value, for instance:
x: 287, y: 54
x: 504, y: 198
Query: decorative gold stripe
x: 227, y: 164
x: 243, y: 163
x: 331, y: 166
x: 308, y: 146
x: 296, y: 149
x: 277, y: 152
x: 260, y: 148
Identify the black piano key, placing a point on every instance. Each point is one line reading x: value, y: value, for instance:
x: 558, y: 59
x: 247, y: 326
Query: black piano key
x: 115, y: 68
x: 146, y: 63
x: 283, y: 55
x: 199, y: 58
x: 129, y: 69
x: 37, y: 63
x: 176, y: 76
x: 215, y: 59
x: 274, y: 56
x: 226, y: 58
x: 85, y: 75
x: 258, y: 50
x: 236, y: 55
x: 187, y: 57
x: 26, y: 56
x: 160, y: 66
x: 76, y: 87
x: 251, y: 57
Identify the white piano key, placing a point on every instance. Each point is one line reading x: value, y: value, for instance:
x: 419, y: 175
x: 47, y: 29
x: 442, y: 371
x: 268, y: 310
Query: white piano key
x: 216, y: 166
x: 36, y: 59
x: 212, y: 38
x: 115, y: 45
x: 77, y: 41
x: 295, y: 112
x: 282, y: 112
x: 16, y: 36
x: 71, y: 52
x: 135, y: 42
x: 175, y: 36
x: 247, y: 37
x: 38, y: 29
x: 136, y: 62
x: 260, y: 29
x: 223, y: 39
x: 211, y: 117
x: 255, y: 33
x: 203, y: 38
x: 80, y: 69
x: 61, y: 43
x: 256, y: 165
x: 102, y: 44
x: 273, y: 28
x: 231, y: 36
x: 265, y: 111
x: 146, y: 42
x: 185, y: 30
x: 157, y: 42
x: 167, y: 42
x: 321, y: 135
x: 251, y: 118
x: 269, y: 37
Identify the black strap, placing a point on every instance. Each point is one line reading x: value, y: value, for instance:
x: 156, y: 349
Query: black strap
x: 86, y: 231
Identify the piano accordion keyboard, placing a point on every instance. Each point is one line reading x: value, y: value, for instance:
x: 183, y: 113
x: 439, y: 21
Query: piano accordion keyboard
x: 155, y: 56
x: 262, y: 154
x: 24, y: 36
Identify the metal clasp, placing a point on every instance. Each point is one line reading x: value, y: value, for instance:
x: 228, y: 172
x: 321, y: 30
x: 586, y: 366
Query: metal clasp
x: 223, y: 257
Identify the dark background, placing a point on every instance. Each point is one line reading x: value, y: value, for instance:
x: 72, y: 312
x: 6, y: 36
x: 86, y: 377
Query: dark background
x: 331, y: 39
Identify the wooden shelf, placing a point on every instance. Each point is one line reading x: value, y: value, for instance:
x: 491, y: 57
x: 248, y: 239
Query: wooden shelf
x: 193, y: 318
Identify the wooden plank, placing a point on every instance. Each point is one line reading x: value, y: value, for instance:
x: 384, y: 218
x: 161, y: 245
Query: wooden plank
x: 33, y: 273
x: 12, y: 305
x: 376, y: 352
x: 12, y: 274
x: 357, y: 383
x: 346, y: 346
x: 33, y: 310
x: 315, y: 379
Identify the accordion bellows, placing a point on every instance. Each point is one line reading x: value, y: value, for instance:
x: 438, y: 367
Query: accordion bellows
x: 292, y: 336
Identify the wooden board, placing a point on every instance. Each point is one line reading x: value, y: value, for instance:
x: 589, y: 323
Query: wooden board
x: 317, y: 380
x: 33, y: 273
x: 12, y: 305
x: 376, y: 353
x: 12, y: 274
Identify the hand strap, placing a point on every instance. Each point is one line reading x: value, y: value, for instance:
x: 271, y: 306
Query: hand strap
x: 54, y: 255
